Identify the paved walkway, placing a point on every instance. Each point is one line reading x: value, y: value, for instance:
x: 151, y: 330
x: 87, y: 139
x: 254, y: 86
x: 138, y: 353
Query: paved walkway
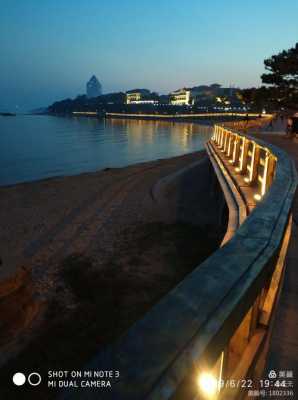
x: 283, y: 351
x: 278, y: 126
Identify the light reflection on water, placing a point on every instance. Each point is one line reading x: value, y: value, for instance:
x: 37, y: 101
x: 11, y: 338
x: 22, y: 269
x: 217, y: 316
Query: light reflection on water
x: 36, y: 147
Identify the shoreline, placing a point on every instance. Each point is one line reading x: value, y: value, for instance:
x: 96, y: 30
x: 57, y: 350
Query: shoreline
x: 56, y: 167
x: 95, y: 172
x: 204, y: 119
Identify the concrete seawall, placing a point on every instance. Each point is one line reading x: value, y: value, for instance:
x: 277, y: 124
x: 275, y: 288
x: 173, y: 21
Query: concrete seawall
x: 193, y: 195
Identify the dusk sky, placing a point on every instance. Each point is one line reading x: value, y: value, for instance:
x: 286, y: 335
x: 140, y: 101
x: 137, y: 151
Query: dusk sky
x: 50, y: 48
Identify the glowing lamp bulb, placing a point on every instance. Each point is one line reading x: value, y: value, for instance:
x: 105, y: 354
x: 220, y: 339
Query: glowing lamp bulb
x: 208, y: 385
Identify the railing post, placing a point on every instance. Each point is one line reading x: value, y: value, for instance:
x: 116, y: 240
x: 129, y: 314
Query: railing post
x: 254, y: 163
x: 215, y: 134
x: 227, y: 138
x: 219, y: 135
x: 230, y: 146
x: 270, y: 171
x: 264, y: 183
x: 243, y: 155
x: 236, y: 149
x: 265, y: 179
x: 222, y: 138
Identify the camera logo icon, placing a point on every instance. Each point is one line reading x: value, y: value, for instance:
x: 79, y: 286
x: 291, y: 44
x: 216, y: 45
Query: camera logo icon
x: 272, y: 374
x: 19, y: 379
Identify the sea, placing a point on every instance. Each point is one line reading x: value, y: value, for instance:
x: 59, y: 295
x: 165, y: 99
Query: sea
x: 34, y: 147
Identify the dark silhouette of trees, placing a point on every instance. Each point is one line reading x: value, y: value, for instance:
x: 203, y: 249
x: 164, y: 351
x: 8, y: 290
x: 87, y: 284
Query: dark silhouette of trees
x: 282, y: 76
x: 280, y: 89
x: 260, y: 98
x: 83, y: 103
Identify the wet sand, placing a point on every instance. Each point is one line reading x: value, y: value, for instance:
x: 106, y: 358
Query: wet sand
x: 43, y: 222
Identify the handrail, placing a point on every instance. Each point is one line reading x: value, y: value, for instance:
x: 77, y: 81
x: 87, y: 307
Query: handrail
x: 250, y: 158
x: 212, y: 319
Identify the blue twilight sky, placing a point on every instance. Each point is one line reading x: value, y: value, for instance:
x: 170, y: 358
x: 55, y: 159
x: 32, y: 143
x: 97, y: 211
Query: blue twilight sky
x: 50, y: 48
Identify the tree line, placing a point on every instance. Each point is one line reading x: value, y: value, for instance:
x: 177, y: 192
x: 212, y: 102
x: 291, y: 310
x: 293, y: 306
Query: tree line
x: 280, y: 89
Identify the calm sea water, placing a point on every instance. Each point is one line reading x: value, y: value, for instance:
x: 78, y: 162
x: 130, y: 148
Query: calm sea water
x: 37, y: 147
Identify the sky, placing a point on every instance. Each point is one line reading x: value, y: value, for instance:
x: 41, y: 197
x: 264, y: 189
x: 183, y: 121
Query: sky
x: 50, y: 48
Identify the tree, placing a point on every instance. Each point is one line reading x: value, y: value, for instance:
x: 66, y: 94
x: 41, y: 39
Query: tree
x: 283, y: 76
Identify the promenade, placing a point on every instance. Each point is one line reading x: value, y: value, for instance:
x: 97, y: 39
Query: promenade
x: 283, y: 348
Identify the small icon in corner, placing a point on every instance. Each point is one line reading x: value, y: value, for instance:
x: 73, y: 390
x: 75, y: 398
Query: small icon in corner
x: 34, y: 379
x: 272, y: 374
x: 19, y: 379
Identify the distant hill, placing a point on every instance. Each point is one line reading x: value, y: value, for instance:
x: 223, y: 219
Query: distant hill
x: 83, y: 103
x: 41, y: 110
x: 7, y: 114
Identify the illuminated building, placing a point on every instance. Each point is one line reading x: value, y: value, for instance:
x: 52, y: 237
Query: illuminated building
x: 205, y: 96
x: 140, y: 96
x: 182, y: 97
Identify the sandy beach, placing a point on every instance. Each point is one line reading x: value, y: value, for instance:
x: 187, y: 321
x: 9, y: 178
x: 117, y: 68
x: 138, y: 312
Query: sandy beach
x: 101, y: 249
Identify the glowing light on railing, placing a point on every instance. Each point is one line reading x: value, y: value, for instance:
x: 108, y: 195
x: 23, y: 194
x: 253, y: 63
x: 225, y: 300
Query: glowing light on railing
x: 257, y: 197
x: 208, y: 385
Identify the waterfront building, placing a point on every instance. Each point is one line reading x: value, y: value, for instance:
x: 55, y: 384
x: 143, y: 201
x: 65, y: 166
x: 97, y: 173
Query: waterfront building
x: 93, y: 87
x: 184, y: 96
x: 216, y: 96
x: 141, y: 96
